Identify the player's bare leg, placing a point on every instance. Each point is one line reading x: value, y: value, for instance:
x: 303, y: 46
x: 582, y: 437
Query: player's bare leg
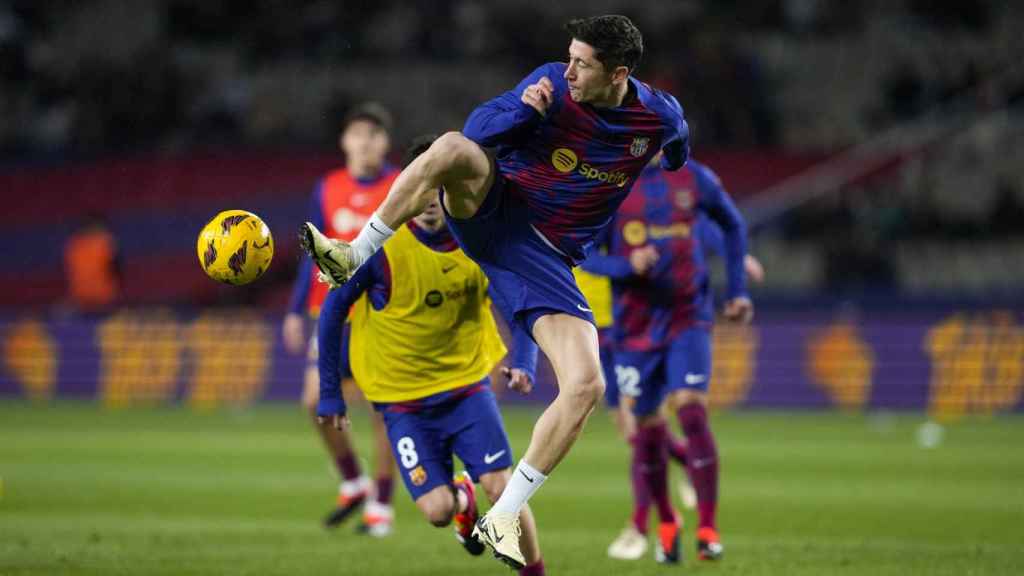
x: 354, y: 487
x: 702, y: 466
x: 570, y: 344
x: 453, y: 161
x: 379, y: 515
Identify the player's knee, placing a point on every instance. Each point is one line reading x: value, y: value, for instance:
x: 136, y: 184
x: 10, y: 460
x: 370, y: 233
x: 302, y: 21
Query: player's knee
x: 437, y: 506
x: 450, y: 150
x: 587, y: 390
x: 439, y: 516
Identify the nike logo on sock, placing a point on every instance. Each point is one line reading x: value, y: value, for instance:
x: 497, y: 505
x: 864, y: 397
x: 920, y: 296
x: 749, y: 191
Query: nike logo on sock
x: 375, y: 229
x: 491, y: 458
x: 701, y: 462
x: 530, y: 480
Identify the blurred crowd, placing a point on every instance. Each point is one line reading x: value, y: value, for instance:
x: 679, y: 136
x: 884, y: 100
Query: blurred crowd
x: 97, y: 76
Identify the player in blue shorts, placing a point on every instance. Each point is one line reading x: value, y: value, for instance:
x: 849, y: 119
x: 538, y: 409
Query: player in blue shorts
x: 661, y: 332
x: 566, y: 144
x: 423, y: 343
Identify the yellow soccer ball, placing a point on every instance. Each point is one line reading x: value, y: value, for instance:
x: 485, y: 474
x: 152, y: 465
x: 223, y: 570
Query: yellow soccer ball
x: 235, y: 247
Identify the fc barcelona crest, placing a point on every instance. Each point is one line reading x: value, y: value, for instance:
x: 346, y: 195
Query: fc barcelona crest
x: 684, y: 199
x: 418, y: 476
x: 639, y: 146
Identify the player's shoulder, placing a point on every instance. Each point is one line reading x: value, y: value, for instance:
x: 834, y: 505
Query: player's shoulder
x: 658, y: 101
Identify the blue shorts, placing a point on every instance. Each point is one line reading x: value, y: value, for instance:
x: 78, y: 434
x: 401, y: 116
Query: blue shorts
x: 529, y: 277
x: 648, y: 377
x: 424, y: 441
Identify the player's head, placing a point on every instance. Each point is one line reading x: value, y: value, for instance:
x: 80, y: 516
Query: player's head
x: 603, y: 53
x: 365, y: 138
x: 432, y: 217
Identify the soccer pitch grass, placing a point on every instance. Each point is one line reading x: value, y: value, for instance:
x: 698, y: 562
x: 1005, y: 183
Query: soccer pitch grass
x: 170, y: 491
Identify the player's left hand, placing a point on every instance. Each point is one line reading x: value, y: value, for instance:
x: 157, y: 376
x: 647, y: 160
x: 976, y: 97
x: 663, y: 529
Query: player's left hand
x: 739, y: 310
x: 539, y: 96
x: 338, y: 421
x: 518, y: 380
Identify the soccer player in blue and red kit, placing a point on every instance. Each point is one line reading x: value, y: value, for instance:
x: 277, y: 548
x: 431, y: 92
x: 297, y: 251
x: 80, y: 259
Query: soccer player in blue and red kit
x: 569, y: 141
x: 662, y: 332
x: 342, y: 202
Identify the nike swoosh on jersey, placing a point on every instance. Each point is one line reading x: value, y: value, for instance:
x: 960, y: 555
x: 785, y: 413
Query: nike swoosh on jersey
x: 491, y: 458
x: 582, y: 309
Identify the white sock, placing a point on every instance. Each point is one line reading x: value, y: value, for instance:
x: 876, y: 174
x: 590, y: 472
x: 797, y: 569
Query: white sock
x: 525, y: 481
x: 370, y: 239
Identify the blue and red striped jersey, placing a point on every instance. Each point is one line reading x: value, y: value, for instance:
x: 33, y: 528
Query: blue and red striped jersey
x: 574, y: 165
x: 653, y: 309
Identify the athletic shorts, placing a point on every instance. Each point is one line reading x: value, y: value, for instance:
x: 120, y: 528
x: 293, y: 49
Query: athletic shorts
x: 525, y: 272
x: 313, y: 352
x: 648, y: 377
x: 425, y: 440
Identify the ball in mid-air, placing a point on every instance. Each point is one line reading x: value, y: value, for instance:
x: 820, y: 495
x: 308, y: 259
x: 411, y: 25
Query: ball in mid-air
x: 235, y: 247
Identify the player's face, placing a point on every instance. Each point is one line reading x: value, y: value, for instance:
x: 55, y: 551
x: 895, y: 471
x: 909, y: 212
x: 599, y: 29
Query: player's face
x: 588, y: 79
x: 365, y: 145
x: 432, y: 217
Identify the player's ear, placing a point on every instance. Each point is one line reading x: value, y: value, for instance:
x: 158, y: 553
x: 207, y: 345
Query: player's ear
x: 620, y: 74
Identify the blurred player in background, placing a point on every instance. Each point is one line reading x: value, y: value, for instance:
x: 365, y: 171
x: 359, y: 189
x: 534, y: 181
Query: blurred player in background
x: 571, y: 139
x: 342, y: 202
x: 631, y: 545
x: 424, y: 342
x: 93, y: 267
x: 662, y: 340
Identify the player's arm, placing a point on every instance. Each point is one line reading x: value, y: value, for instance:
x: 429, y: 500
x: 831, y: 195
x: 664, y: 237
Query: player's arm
x: 638, y: 263
x: 715, y: 201
x: 676, y: 143
x: 293, y: 331
x: 329, y: 328
x: 513, y: 115
x: 713, y: 243
x: 522, y: 371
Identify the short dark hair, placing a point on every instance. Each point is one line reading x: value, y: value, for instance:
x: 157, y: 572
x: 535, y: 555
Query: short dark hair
x: 373, y: 112
x: 418, y: 146
x: 616, y: 41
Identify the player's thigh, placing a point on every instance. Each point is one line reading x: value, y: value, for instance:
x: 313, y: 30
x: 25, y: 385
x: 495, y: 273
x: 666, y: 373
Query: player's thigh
x: 688, y: 367
x: 424, y: 460
x: 468, y: 175
x: 640, y: 377
x: 570, y: 344
x: 478, y: 434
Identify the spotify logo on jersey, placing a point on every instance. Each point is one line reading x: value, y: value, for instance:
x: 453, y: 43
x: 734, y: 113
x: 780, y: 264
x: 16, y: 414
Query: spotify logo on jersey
x: 564, y: 160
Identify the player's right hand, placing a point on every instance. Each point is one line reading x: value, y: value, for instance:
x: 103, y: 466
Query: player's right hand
x: 540, y: 96
x: 293, y: 333
x: 739, y: 310
x: 518, y: 379
x: 643, y: 259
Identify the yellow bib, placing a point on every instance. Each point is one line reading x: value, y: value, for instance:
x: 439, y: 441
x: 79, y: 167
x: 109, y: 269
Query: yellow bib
x: 436, y: 332
x: 598, y: 292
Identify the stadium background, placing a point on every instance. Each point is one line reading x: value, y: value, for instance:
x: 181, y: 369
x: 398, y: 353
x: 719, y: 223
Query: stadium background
x: 876, y: 148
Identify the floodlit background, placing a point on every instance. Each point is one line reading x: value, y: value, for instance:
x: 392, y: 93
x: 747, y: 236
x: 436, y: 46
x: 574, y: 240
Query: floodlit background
x: 146, y: 412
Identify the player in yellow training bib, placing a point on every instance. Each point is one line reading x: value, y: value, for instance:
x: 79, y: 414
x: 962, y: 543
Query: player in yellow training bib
x: 421, y: 351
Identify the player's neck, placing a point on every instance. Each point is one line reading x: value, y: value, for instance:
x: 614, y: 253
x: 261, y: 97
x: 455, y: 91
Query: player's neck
x: 364, y: 172
x: 615, y: 97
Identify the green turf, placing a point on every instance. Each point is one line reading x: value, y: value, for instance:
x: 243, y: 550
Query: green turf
x: 168, y: 491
